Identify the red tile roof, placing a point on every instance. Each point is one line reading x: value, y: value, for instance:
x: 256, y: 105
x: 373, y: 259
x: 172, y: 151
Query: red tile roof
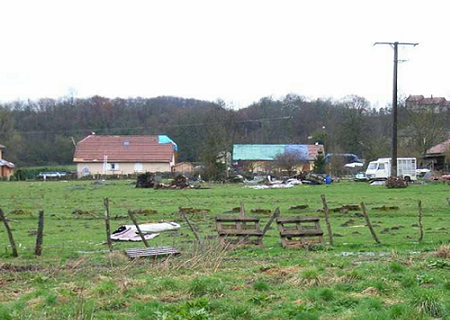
x: 94, y: 148
x: 314, y: 150
x: 440, y: 148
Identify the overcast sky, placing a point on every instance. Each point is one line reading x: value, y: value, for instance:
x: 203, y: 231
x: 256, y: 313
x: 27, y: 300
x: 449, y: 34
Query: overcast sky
x: 238, y: 51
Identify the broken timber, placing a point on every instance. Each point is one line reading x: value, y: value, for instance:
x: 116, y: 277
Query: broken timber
x: 369, y: 224
x: 10, y: 236
x: 151, y: 252
x: 239, y: 230
x: 299, y: 232
x: 327, y: 219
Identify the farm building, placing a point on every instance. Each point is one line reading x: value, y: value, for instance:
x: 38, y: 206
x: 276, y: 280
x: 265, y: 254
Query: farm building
x: 183, y: 167
x: 437, y: 157
x: 6, y: 167
x: 260, y: 157
x: 121, y: 155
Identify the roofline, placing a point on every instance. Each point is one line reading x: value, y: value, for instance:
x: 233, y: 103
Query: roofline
x: 120, y: 161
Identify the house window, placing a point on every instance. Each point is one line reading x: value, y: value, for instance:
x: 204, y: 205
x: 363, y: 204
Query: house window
x: 138, y: 167
x: 113, y: 166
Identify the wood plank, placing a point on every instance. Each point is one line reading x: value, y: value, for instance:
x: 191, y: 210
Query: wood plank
x: 302, y: 233
x: 237, y: 218
x: 241, y: 233
x: 297, y: 219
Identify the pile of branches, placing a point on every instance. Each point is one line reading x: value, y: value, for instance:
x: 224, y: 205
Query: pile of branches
x: 180, y: 182
x: 145, y: 180
x: 396, y: 182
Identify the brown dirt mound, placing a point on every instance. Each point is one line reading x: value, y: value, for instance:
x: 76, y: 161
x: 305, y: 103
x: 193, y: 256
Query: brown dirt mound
x: 299, y: 207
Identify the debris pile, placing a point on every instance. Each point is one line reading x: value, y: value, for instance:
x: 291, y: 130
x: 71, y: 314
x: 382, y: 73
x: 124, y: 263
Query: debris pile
x: 386, y: 208
x: 20, y: 212
x: 299, y: 207
x: 194, y: 210
x: 144, y: 211
x: 396, y: 182
x: 261, y: 211
x: 145, y: 180
x: 180, y: 182
x: 80, y: 213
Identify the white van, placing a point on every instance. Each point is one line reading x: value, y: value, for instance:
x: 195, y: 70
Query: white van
x: 381, y: 169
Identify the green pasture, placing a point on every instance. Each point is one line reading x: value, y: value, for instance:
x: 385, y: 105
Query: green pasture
x: 77, y: 278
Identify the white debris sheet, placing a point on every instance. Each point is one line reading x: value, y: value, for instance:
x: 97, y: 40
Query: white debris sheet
x: 149, y: 230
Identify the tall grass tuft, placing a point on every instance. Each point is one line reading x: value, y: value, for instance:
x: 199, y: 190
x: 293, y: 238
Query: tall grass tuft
x: 427, y: 302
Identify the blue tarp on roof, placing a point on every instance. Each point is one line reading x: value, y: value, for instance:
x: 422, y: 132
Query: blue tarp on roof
x: 267, y: 151
x: 163, y: 139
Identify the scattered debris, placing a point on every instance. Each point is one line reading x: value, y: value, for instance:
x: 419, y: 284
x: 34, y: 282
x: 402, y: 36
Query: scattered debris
x: 195, y: 210
x: 351, y: 207
x: 338, y: 235
x: 261, y: 211
x: 299, y: 207
x: 9, y: 267
x: 21, y: 212
x: 386, y: 208
x: 145, y: 180
x: 235, y: 209
x: 356, y: 233
x: 180, y: 182
x: 79, y: 212
x: 149, y: 230
x: 348, y: 223
x: 443, y: 252
x: 144, y: 211
x: 396, y: 182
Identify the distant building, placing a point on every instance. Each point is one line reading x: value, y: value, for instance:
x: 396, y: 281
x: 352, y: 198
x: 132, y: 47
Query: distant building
x: 183, y: 168
x: 260, y: 157
x: 6, y: 167
x: 121, y: 155
x: 437, y: 157
x: 419, y: 102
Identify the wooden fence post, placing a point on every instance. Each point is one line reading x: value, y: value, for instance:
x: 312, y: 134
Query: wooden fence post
x: 274, y: 216
x: 197, y: 237
x: 369, y: 224
x: 40, y: 234
x: 138, y: 229
x: 242, y: 209
x: 107, y: 225
x: 420, y: 222
x: 327, y: 219
x: 10, y: 236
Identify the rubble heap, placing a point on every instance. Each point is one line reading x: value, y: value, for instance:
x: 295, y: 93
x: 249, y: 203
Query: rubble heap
x: 145, y: 180
x: 396, y: 182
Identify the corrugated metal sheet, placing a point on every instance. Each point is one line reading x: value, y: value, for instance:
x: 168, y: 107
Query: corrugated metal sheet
x: 270, y: 151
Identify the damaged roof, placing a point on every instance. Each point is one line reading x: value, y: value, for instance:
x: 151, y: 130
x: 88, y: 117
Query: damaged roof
x: 270, y: 151
x: 94, y: 148
x: 439, y: 148
x: 4, y: 163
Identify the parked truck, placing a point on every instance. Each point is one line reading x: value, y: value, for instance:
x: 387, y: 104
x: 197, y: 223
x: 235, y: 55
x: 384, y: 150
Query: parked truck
x: 381, y: 169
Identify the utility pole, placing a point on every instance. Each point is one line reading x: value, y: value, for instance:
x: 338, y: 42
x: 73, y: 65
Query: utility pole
x: 394, y: 102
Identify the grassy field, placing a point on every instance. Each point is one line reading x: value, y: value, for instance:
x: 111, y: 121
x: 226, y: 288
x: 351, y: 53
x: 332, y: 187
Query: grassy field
x: 77, y: 278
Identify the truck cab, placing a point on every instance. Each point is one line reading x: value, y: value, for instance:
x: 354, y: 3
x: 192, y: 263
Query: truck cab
x: 378, y: 170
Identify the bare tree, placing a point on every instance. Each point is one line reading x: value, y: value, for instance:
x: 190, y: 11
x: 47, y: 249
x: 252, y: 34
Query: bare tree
x: 288, y: 161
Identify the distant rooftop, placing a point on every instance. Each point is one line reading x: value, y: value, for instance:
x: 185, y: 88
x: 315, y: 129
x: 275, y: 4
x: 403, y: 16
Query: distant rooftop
x: 269, y: 152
